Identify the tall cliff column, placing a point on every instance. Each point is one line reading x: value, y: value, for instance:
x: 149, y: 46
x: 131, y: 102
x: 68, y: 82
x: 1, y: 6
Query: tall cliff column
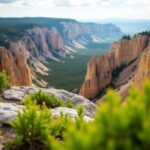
x: 90, y: 87
x: 24, y: 69
x: 123, y: 59
x: 16, y: 68
x: 143, y: 68
x: 104, y: 71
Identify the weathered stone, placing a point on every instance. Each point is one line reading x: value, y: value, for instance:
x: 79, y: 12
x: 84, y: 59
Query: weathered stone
x: 19, y: 93
x: 72, y: 113
x: 9, y: 110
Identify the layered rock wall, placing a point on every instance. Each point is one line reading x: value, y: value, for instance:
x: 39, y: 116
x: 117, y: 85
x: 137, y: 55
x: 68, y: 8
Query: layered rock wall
x: 116, y: 67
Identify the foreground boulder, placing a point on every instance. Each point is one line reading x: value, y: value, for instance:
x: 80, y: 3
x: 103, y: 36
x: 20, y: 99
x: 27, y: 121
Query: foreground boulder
x: 19, y: 93
x: 9, y: 110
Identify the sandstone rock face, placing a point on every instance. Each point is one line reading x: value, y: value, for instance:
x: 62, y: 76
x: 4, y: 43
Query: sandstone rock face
x: 125, y: 51
x: 117, y: 67
x: 37, y: 44
x: 16, y: 67
x: 97, y: 77
x: 45, y: 41
x: 143, y: 68
x: 55, y: 40
x: 19, y: 93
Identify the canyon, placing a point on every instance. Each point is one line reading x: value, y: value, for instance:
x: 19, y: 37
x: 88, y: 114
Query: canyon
x: 127, y: 60
x: 24, y: 55
x: 28, y: 43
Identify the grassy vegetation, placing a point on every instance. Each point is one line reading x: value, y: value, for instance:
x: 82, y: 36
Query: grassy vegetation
x: 4, y: 81
x: 70, y: 73
x: 49, y: 100
x: 114, y: 127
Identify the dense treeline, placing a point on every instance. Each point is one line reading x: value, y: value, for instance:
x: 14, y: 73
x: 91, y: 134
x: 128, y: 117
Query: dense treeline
x: 129, y: 37
x: 12, y: 32
x: 145, y: 33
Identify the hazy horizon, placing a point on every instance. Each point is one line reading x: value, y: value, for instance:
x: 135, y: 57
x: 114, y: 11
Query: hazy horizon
x: 77, y: 9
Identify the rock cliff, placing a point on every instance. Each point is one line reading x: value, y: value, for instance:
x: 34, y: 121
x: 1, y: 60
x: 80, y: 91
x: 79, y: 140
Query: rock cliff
x: 42, y: 38
x: 143, y: 68
x: 16, y: 67
x: 116, y: 67
x: 84, y: 32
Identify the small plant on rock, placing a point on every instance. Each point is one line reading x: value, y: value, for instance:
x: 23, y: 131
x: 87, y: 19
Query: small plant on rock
x: 49, y: 100
x: 4, y: 81
x: 32, y: 128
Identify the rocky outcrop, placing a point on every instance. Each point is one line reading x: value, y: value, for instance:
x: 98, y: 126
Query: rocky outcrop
x: 8, y: 111
x: 72, y: 113
x: 143, y: 72
x: 55, y: 41
x: 37, y: 44
x: 16, y: 67
x: 19, y: 93
x: 116, y: 67
x: 44, y: 38
x: 15, y: 94
x: 83, y: 32
x: 125, y: 51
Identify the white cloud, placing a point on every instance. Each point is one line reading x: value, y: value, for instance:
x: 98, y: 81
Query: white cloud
x: 81, y: 9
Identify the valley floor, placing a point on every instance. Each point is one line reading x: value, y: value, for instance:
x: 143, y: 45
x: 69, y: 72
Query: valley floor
x: 69, y: 73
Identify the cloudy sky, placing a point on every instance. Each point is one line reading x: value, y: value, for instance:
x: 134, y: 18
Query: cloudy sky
x: 78, y: 9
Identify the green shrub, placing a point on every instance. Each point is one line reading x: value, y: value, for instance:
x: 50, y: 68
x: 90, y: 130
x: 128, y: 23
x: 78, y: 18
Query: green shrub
x: 4, y: 81
x: 116, y: 126
x: 69, y: 104
x: 32, y: 128
x: 50, y: 100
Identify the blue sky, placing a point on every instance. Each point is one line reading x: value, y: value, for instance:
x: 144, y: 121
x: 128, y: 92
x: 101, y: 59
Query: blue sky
x: 78, y: 9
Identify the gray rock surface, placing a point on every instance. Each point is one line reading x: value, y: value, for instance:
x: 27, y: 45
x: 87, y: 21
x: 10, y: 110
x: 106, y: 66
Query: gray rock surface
x: 72, y: 113
x: 9, y: 110
x: 19, y: 93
